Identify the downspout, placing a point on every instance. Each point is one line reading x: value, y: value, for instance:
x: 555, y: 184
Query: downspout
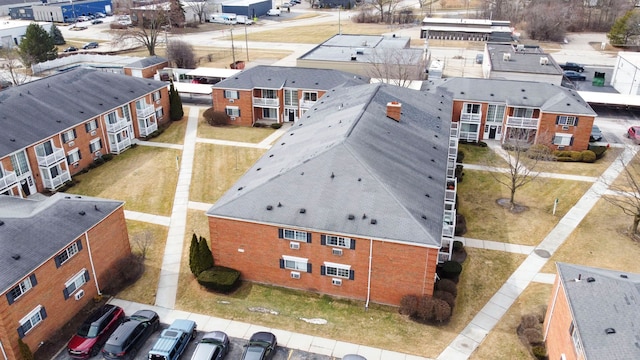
x: 93, y: 268
x: 426, y: 267
x: 553, y: 306
x: 3, y: 353
x: 366, y: 305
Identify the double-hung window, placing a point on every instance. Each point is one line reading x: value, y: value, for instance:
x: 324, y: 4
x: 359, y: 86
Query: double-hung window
x: 73, y: 156
x: 95, y: 145
x: 567, y: 120
x: 231, y: 94
x: 472, y: 108
x: 310, y: 96
x: 75, y: 283
x: 563, y: 139
x: 337, y: 270
x: 68, y: 136
x: 232, y: 110
x: 295, y: 263
x: 156, y: 96
x: 575, y: 337
x: 30, y: 321
x: 338, y: 241
x: 296, y: 235
x: 91, y: 125
x: 20, y: 289
x: 68, y: 253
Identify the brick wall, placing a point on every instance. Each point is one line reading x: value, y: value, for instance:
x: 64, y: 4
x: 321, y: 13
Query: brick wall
x: 557, y: 321
x: 108, y: 242
x: 256, y: 249
x: 581, y: 133
x: 244, y: 103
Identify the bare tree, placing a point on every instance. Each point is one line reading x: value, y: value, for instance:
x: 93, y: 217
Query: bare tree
x: 14, y: 72
x: 381, y: 5
x: 143, y: 241
x: 547, y: 20
x: 147, y: 31
x: 181, y: 54
x: 396, y: 67
x: 625, y: 194
x: 199, y: 8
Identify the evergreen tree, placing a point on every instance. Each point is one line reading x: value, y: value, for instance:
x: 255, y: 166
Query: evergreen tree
x: 176, y: 111
x: 193, y: 255
x: 205, y: 260
x: 36, y: 46
x: 618, y: 33
x: 25, y: 351
x: 56, y: 34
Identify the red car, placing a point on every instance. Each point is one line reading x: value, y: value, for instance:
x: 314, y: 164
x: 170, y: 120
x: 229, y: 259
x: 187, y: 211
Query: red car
x: 95, y: 331
x: 634, y: 134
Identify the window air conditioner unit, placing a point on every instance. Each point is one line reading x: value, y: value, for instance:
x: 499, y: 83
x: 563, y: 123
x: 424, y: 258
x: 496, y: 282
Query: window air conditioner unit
x: 337, y: 252
x: 93, y: 133
x: 98, y: 153
x: 336, y: 282
x: 565, y: 127
x: 72, y: 143
x: 295, y: 275
x: 294, y: 245
x: 79, y: 295
x: 158, y: 102
x: 75, y: 165
x: 232, y: 100
x: 233, y: 118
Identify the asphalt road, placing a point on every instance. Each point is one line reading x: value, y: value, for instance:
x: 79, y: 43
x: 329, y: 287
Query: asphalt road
x: 235, y: 350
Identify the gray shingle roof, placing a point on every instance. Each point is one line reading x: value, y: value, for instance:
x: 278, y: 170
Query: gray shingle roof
x: 548, y: 97
x: 526, y: 61
x: 276, y: 77
x: 346, y: 157
x: 37, y: 230
x: 146, y: 62
x: 610, y: 301
x: 37, y: 110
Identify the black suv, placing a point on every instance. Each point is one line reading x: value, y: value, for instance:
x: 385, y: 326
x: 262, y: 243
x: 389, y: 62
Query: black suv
x: 126, y: 340
x: 572, y: 66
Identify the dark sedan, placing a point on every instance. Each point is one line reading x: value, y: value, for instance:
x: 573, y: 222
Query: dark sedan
x: 127, y: 339
x: 596, y: 134
x: 71, y: 49
x: 574, y: 76
x: 261, y: 346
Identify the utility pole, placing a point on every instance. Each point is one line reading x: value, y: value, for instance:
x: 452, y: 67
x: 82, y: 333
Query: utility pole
x: 339, y: 23
x: 246, y: 40
x: 233, y: 51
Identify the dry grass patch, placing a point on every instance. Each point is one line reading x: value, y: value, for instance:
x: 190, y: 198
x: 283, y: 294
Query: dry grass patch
x: 174, y: 134
x: 217, y: 167
x: 601, y: 240
x: 578, y: 168
x: 503, y: 337
x: 232, y: 133
x: 144, y: 290
x: 127, y: 178
x: 478, y: 155
x: 380, y: 326
x: 624, y: 181
x: 317, y: 33
x: 486, y: 220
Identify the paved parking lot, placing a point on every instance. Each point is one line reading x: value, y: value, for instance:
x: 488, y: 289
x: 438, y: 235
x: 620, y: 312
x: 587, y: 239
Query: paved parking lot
x: 235, y: 350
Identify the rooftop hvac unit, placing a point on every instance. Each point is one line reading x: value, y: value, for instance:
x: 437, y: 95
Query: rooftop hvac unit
x: 520, y: 47
x: 544, y: 60
x: 506, y: 57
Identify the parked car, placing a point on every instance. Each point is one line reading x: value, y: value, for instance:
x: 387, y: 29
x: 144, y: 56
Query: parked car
x: 479, y: 58
x: 71, y: 49
x: 273, y: 12
x: 126, y: 340
x: 95, y: 331
x: 634, y: 134
x: 96, y: 21
x: 572, y: 66
x: 82, y: 18
x: 574, y: 75
x: 90, y: 45
x: 596, y: 134
x: 243, y: 19
x: 100, y: 15
x: 174, y: 340
x: 286, y: 5
x: 213, y: 346
x: 77, y: 28
x: 353, y: 357
x: 261, y: 346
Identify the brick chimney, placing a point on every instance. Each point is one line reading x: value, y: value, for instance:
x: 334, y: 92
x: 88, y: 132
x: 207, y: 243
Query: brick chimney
x: 393, y: 110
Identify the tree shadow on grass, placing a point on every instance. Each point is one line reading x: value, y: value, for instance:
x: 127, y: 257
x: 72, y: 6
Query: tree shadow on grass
x: 514, y: 209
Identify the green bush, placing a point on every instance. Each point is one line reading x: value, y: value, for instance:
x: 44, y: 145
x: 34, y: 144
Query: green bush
x: 441, y: 310
x: 446, y: 296
x: 215, y: 118
x: 568, y: 156
x: 482, y: 144
x: 459, y: 172
x: 457, y: 245
x: 460, y: 156
x: 219, y: 278
x: 25, y: 351
x: 409, y: 305
x: 588, y: 156
x: 447, y: 285
x: 598, y: 150
x: 540, y: 352
x: 533, y: 335
x: 276, y: 126
x: 107, y: 157
x: 539, y: 152
x: 450, y: 270
x: 461, y: 225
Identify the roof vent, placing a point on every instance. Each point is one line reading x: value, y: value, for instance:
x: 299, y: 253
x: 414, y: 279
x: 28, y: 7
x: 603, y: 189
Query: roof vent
x: 1, y: 222
x: 95, y: 207
x: 351, y: 217
x: 15, y: 257
x: 624, y: 276
x: 240, y: 188
x: 303, y: 210
x: 12, y: 140
x: 424, y: 217
x: 359, y: 179
x: 353, y: 58
x: 364, y: 216
x: 269, y: 207
x: 82, y: 213
x: 506, y: 57
x: 279, y: 204
x: 590, y: 279
x: 332, y: 175
x: 610, y: 331
x: 374, y: 221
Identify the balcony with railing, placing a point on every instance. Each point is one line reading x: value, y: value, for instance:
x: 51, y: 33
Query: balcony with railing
x: 306, y: 104
x: 119, y: 146
x: 147, y: 127
x: 48, y: 160
x: 145, y: 111
x: 260, y: 101
x: 56, y: 182
x: 120, y: 124
x: 7, y: 180
x: 470, y: 117
x: 522, y: 122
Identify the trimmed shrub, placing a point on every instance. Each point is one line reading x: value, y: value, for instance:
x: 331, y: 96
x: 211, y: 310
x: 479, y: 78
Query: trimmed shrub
x: 533, y: 335
x: 567, y: 156
x: 441, y: 310
x: 482, y: 144
x: 219, y: 278
x: 540, y: 352
x: 107, y: 157
x: 25, y: 351
x: 193, y: 258
x: 450, y: 270
x: 529, y: 321
x: 539, y: 152
x: 204, y: 258
x: 123, y: 273
x: 409, y: 305
x: 425, y: 309
x: 215, y: 118
x: 598, y: 150
x: 448, y: 286
x: 276, y: 126
x: 459, y: 172
x: 461, y: 226
x: 457, y: 245
x: 460, y: 157
x: 588, y: 156
x: 446, y: 296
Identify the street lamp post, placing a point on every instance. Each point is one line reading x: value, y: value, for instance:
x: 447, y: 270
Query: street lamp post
x: 339, y: 23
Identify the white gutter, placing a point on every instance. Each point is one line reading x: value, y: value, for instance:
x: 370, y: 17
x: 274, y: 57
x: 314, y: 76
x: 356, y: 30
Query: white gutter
x: 93, y: 268
x: 553, y: 306
x: 3, y: 353
x: 366, y: 305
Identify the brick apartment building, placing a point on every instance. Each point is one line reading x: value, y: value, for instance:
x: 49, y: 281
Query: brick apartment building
x: 56, y: 257
x: 593, y: 314
x: 357, y: 200
x: 508, y: 110
x: 274, y: 94
x: 146, y: 67
x: 54, y: 127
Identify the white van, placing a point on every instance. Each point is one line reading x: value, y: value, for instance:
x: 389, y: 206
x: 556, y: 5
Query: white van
x: 223, y: 18
x: 242, y: 19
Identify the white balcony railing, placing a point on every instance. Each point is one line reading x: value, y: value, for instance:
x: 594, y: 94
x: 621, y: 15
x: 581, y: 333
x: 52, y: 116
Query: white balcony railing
x: 473, y: 118
x: 146, y: 130
x: 265, y: 101
x: 9, y: 179
x: 51, y: 159
x: 120, y: 124
x: 146, y: 111
x: 520, y: 122
x: 118, y: 147
x: 307, y: 103
x: 56, y: 182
